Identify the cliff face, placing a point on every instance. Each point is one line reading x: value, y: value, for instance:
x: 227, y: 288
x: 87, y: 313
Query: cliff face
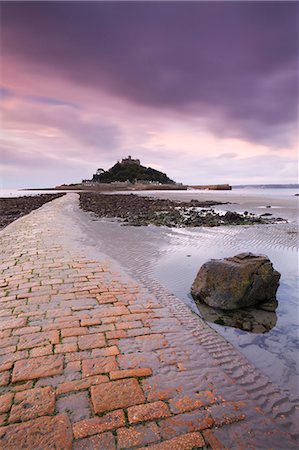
x: 132, y: 172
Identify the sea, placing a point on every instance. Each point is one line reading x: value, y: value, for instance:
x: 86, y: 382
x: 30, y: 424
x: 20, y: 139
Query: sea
x: 173, y: 256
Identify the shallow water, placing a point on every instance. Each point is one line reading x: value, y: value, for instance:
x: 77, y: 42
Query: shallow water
x: 173, y: 257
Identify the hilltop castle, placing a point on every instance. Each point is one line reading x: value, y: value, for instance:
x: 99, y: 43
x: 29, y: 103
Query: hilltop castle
x: 129, y: 161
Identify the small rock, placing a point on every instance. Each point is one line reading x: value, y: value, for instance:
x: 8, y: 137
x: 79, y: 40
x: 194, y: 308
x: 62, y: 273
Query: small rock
x: 237, y: 282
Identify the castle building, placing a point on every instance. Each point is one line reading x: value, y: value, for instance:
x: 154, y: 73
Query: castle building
x: 129, y: 160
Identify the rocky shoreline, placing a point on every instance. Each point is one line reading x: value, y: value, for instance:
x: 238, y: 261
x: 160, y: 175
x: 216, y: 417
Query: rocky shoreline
x: 137, y: 210
x: 12, y: 208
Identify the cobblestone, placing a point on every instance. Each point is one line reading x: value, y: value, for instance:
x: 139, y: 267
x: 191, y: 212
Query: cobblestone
x: 44, y: 366
x: 138, y: 435
x: 90, y: 359
x: 148, y: 411
x: 32, y: 403
x: 107, y: 397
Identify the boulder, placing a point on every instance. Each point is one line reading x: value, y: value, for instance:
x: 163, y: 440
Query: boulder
x: 237, y: 282
x: 232, y: 216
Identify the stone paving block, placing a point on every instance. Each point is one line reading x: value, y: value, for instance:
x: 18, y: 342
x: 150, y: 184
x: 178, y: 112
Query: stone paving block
x: 5, y: 334
x: 105, y: 441
x: 73, y: 366
x: 3, y: 419
x: 137, y: 435
x: 32, y: 403
x: 39, y: 433
x: 99, y: 365
x: 137, y: 373
x: 116, y: 334
x: 38, y: 299
x: 91, y: 341
x: 135, y: 316
x: 76, y: 406
x: 73, y: 332
x: 13, y: 323
x: 95, y: 425
x: 8, y: 342
x: 111, y: 319
x: 115, y: 395
x: 41, y: 351
x: 61, y: 324
x: 4, y: 378
x: 44, y: 366
x: 148, y: 411
x: 66, y: 348
x: 105, y: 351
x: 91, y: 321
x: 189, y: 441
x: 8, y: 350
x: 138, y: 332
x: 187, y: 403
x: 5, y: 402
x: 185, y: 423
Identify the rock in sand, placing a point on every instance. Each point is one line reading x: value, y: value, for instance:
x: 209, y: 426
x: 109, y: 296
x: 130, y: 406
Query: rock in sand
x: 237, y: 282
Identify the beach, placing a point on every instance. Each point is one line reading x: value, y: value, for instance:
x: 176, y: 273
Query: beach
x: 95, y: 356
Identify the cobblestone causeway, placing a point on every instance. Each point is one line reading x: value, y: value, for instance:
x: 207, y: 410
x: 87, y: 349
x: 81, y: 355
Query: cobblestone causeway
x: 91, y: 359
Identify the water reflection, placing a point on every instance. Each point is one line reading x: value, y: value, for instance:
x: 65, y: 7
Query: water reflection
x: 255, y: 320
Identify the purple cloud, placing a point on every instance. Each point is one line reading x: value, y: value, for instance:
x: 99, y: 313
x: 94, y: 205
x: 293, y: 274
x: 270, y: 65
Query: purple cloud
x: 93, y: 132
x: 233, y: 65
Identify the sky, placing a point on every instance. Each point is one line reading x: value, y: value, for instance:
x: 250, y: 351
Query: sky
x: 204, y: 91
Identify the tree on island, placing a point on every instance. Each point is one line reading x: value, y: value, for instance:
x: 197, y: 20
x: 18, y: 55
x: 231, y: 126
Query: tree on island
x: 131, y: 170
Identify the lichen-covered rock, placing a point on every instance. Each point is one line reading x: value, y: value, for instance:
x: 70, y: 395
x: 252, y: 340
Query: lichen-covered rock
x: 237, y: 282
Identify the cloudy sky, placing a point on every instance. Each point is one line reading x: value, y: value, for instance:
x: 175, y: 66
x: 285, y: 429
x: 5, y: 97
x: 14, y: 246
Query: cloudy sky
x: 204, y: 91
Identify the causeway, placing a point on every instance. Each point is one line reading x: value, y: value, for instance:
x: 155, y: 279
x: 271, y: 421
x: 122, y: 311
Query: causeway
x: 92, y: 359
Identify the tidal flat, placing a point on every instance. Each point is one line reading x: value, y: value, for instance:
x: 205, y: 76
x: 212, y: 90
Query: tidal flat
x: 173, y: 255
